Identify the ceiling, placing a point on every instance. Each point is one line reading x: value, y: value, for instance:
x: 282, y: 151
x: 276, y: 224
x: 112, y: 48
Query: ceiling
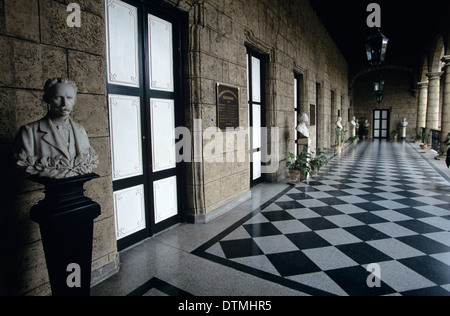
x: 408, y: 24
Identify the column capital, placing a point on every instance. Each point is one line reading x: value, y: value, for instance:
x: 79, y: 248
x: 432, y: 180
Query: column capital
x: 446, y: 60
x: 422, y: 84
x: 435, y: 75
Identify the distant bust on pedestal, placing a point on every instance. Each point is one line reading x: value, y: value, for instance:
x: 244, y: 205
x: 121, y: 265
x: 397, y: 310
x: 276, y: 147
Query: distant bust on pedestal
x: 404, y: 124
x: 339, y: 123
x: 302, y: 128
x: 56, y: 146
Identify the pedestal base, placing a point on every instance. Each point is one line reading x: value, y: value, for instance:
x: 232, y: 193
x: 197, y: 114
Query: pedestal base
x: 66, y: 219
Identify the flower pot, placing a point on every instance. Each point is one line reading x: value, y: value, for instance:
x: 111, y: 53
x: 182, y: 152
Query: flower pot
x: 423, y: 146
x: 294, y: 176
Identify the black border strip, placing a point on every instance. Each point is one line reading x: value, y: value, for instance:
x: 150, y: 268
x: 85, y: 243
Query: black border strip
x: 160, y: 285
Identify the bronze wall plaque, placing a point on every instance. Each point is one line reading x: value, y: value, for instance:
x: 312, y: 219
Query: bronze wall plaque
x: 227, y: 106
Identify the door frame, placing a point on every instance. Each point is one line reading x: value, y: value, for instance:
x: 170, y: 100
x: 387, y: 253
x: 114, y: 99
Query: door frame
x: 388, y: 119
x: 252, y: 53
x: 179, y: 21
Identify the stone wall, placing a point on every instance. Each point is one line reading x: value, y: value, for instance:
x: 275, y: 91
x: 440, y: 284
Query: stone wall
x: 293, y: 40
x: 36, y: 44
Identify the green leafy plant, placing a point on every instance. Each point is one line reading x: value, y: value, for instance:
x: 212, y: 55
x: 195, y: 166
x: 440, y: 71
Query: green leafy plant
x: 344, y: 131
x: 300, y: 163
x: 394, y: 132
x: 425, y: 136
x: 318, y: 161
x: 354, y: 139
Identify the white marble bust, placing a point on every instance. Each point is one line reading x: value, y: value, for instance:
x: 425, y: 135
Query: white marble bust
x: 56, y: 146
x: 302, y: 128
x: 339, y: 123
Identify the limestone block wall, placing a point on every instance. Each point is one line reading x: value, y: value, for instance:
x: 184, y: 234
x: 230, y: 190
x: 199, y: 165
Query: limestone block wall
x: 36, y: 44
x: 293, y: 40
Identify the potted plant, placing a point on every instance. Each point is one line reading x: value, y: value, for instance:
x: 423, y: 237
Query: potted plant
x: 292, y: 166
x: 303, y: 164
x: 394, y: 133
x: 318, y: 161
x: 337, y: 143
x: 445, y: 146
x: 364, y: 131
x: 298, y: 166
x: 425, y: 138
x: 343, y: 135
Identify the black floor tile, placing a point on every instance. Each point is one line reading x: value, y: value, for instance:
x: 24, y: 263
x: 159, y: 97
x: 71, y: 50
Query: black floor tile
x: 240, y: 248
x: 366, y: 233
x: 432, y: 269
x: 288, y: 205
x: 318, y: 223
x: 275, y: 216
x: 419, y: 227
x: 307, y: 240
x: 424, y: 244
x: 262, y: 229
x: 363, y: 253
x: 353, y: 281
x: 368, y: 218
x: 292, y: 263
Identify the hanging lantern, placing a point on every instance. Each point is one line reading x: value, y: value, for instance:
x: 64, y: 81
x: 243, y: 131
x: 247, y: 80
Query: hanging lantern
x: 376, y: 46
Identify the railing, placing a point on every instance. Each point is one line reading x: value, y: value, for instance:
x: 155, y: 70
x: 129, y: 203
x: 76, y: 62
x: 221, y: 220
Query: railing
x: 436, y: 140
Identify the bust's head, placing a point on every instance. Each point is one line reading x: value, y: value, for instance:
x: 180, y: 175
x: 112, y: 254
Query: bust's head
x: 60, y: 94
x: 304, y: 118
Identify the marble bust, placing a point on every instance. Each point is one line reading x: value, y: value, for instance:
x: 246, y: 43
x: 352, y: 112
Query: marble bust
x: 339, y: 123
x: 302, y: 128
x: 56, y: 146
x: 404, y: 123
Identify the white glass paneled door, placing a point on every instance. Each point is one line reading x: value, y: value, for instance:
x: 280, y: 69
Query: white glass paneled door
x: 144, y: 96
x: 255, y: 87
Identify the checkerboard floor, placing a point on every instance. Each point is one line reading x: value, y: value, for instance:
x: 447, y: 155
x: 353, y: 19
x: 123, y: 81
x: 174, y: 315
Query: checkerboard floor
x: 379, y: 203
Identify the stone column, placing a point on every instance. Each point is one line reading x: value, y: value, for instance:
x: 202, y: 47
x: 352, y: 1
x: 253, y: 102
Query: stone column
x: 445, y: 126
x: 433, y: 100
x: 422, y: 107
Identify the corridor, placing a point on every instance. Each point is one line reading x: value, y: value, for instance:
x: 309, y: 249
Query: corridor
x: 378, y: 203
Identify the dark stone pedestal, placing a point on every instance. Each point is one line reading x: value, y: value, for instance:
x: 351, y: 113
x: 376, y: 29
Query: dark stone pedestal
x: 66, y: 219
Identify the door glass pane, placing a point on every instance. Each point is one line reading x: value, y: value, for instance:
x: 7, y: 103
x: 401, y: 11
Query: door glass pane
x: 384, y: 124
x: 126, y: 145
x: 256, y: 165
x: 129, y: 210
x: 376, y: 133
x: 163, y: 134
x: 256, y: 126
x: 122, y: 44
x: 165, y: 195
x: 383, y: 133
x: 295, y: 93
x: 377, y: 115
x: 377, y: 124
x: 384, y: 115
x: 161, y: 54
x: 256, y: 79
